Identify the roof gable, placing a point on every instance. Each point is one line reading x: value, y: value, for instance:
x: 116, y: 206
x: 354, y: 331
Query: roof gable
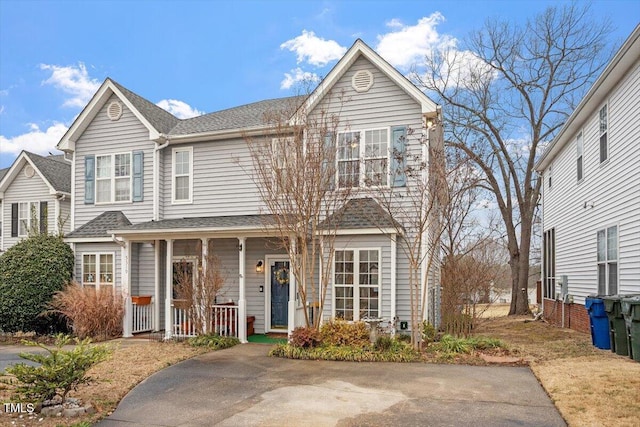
x: 358, y: 49
x: 154, y: 118
x: 55, y: 173
x: 101, y: 225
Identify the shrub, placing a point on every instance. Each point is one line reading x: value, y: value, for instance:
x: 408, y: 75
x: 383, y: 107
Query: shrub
x: 30, y: 273
x: 60, y: 371
x: 428, y: 332
x: 339, y: 332
x: 305, y: 337
x: 399, y: 352
x: 213, y: 341
x: 450, y: 344
x: 384, y: 343
x: 95, y: 313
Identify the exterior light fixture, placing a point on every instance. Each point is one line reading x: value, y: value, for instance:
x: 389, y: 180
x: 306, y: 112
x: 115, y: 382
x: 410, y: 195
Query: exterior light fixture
x: 260, y: 267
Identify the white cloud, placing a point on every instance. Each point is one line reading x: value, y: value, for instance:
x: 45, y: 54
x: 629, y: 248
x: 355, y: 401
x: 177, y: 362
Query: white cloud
x: 406, y: 45
x: 36, y: 140
x: 74, y: 81
x: 180, y: 109
x: 313, y: 49
x: 296, y: 76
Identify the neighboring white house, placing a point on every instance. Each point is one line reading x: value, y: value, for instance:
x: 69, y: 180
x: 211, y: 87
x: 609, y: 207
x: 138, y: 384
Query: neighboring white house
x: 591, y: 191
x: 151, y: 192
x: 34, y: 192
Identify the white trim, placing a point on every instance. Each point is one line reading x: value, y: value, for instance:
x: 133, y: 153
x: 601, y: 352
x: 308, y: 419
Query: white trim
x: 393, y: 286
x: 88, y: 239
x: 29, y: 216
x: 242, y: 299
x: 268, y: 259
x: 356, y: 282
x: 125, y: 288
x: 73, y: 193
x: 358, y: 231
x: 168, y: 297
x: 174, y: 151
x: 156, y: 284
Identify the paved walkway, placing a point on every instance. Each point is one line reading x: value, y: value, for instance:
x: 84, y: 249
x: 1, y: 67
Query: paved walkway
x: 242, y: 386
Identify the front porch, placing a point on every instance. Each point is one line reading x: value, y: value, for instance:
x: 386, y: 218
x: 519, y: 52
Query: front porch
x: 247, y: 300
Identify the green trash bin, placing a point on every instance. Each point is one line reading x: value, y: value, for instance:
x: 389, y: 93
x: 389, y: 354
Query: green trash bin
x: 617, y: 325
x: 631, y: 313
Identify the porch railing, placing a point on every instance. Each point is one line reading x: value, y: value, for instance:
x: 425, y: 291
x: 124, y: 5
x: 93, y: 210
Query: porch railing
x: 142, y: 318
x: 224, y: 320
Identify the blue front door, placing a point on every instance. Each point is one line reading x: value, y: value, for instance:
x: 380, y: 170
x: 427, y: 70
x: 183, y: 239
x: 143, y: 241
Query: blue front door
x: 280, y: 294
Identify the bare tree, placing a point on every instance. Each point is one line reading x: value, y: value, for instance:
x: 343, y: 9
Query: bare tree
x: 507, y: 95
x: 196, y: 291
x: 416, y: 208
x: 294, y: 171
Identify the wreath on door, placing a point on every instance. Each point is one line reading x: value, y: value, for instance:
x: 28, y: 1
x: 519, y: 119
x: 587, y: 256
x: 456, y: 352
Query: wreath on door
x: 282, y: 276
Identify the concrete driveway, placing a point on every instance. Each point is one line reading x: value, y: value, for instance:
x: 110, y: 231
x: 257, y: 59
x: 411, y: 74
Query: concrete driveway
x: 241, y: 386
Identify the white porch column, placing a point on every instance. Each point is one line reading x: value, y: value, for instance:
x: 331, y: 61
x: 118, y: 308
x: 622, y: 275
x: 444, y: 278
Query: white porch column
x: 125, y: 265
x: 291, y: 322
x: 156, y: 293
x: 168, y: 321
x: 394, y: 252
x: 242, y: 301
x: 203, y: 262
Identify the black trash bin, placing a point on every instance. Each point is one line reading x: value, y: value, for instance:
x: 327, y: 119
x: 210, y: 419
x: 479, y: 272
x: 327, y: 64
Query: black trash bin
x: 631, y: 312
x: 617, y: 325
x: 599, y: 322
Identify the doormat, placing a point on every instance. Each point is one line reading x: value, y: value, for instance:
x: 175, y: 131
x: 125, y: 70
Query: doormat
x: 268, y: 339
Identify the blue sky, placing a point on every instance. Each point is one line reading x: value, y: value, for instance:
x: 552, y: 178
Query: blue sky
x: 194, y: 57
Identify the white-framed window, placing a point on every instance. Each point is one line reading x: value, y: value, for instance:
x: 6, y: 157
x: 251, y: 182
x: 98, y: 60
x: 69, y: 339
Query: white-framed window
x: 28, y: 216
x: 98, y: 270
x: 356, y: 284
x: 182, y: 175
x: 607, y: 240
x: 113, y: 178
x: 579, y: 151
x: 363, y: 158
x: 604, y: 126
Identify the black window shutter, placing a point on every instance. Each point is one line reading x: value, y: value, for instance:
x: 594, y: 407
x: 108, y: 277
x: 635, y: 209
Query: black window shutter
x: 44, y: 216
x: 14, y: 220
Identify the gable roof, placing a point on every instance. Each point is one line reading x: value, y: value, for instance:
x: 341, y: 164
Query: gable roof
x: 157, y: 120
x: 54, y: 171
x: 244, y: 116
x: 624, y: 59
x: 359, y: 214
x: 358, y: 49
x: 232, y: 122
x: 101, y: 225
x: 3, y: 172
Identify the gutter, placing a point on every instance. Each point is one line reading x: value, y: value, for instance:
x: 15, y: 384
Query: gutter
x: 156, y: 177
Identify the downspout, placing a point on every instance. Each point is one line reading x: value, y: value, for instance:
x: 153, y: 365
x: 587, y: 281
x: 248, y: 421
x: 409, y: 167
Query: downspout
x: 156, y: 172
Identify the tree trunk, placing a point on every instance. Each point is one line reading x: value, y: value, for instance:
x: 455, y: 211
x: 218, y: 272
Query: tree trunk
x: 519, y: 262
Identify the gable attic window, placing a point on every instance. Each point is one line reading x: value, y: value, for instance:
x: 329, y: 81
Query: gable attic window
x: 114, y: 111
x: 604, y: 148
x: 362, y: 81
x: 182, y: 175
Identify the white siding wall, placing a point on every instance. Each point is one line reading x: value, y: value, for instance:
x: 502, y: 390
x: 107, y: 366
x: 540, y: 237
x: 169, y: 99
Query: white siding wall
x: 612, y: 187
x: 221, y: 185
x: 24, y: 189
x: 104, y: 136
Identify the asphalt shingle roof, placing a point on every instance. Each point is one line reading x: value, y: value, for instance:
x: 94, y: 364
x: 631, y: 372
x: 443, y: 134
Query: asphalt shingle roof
x: 162, y: 120
x: 244, y: 116
x: 3, y: 172
x: 360, y: 213
x: 102, y: 225
x: 55, y: 170
x: 222, y: 222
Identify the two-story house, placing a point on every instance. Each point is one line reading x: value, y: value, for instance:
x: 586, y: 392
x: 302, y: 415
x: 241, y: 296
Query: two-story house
x: 591, y: 195
x: 35, y: 195
x: 152, y: 192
